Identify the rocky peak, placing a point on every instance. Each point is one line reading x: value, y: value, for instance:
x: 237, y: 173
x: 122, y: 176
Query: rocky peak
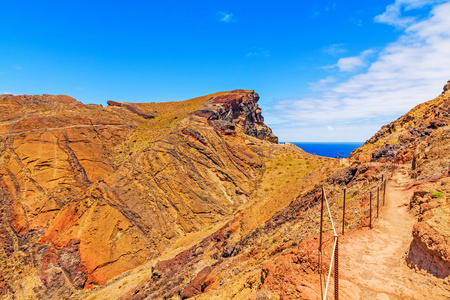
x: 447, y: 86
x: 236, y: 111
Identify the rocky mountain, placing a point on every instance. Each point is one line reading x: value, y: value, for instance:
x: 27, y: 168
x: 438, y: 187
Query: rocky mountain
x: 88, y: 192
x: 196, y: 199
x: 277, y: 258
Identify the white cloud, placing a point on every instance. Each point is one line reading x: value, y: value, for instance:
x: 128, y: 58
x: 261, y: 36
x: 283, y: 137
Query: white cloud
x: 350, y: 64
x: 18, y: 67
x: 226, y: 17
x: 353, y: 63
x: 393, y: 14
x: 322, y: 83
x: 80, y: 88
x: 407, y: 72
x: 315, y: 14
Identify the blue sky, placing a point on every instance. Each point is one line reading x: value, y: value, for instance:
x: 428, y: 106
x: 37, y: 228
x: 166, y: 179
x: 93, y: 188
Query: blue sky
x: 325, y: 70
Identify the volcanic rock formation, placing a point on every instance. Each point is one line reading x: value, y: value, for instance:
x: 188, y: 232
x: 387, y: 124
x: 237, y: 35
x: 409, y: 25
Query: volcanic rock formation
x: 196, y: 199
x: 89, y: 192
x: 277, y: 258
x: 447, y: 86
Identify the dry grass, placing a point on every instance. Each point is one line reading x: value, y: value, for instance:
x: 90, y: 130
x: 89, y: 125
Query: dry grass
x: 288, y: 174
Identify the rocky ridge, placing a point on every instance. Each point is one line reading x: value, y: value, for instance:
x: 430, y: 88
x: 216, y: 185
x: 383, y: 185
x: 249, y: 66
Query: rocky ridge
x: 211, y: 206
x: 89, y: 192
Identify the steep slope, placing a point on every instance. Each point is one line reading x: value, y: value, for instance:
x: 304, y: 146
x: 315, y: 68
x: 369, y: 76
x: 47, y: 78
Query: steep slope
x: 276, y: 257
x: 196, y: 199
x: 400, y: 138
x: 108, y: 188
x: 421, y: 139
x: 89, y: 192
x: 374, y: 260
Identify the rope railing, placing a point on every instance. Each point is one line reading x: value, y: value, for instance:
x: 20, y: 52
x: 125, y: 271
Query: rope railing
x: 334, y: 247
x: 380, y: 186
x: 329, y: 212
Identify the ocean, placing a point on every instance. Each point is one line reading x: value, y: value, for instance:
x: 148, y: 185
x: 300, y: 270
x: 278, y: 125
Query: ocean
x: 329, y: 149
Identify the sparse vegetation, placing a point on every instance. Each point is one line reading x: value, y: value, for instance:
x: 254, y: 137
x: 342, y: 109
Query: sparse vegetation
x: 437, y: 194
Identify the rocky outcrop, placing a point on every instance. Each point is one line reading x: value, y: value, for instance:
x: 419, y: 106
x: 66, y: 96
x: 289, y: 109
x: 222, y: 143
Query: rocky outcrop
x: 198, y: 285
x: 89, y: 192
x: 236, y: 111
x: 407, y: 132
x: 429, y: 251
x: 447, y: 86
x: 294, y: 273
x: 61, y: 267
x: 387, y: 153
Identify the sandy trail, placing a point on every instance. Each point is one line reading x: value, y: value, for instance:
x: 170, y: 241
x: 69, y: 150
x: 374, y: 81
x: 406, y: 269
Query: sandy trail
x: 372, y: 261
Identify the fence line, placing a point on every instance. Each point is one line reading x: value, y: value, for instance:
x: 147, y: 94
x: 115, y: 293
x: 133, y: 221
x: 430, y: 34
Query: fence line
x: 381, y: 185
x: 334, y: 255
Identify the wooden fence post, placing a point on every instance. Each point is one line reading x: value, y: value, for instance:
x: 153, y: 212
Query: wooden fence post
x: 321, y: 219
x: 343, y: 212
x: 370, y: 208
x: 378, y: 200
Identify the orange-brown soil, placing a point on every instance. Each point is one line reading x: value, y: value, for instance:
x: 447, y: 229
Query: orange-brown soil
x: 89, y: 192
x: 196, y: 199
x: 374, y: 259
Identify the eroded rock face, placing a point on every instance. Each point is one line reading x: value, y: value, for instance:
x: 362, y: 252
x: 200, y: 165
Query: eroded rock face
x: 293, y: 274
x: 132, y: 108
x: 429, y: 251
x: 89, y: 192
x: 198, y: 284
x: 66, y: 261
x: 395, y: 140
x: 237, y: 111
x: 387, y: 153
x: 447, y: 86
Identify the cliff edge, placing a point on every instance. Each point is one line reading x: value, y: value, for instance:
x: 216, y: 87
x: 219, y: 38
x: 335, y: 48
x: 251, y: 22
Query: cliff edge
x: 88, y: 192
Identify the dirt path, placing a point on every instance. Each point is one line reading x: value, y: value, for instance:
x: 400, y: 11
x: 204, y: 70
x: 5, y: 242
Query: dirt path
x: 372, y: 262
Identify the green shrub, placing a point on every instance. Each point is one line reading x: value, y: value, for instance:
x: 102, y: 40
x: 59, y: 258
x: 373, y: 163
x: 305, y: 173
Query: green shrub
x: 436, y: 194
